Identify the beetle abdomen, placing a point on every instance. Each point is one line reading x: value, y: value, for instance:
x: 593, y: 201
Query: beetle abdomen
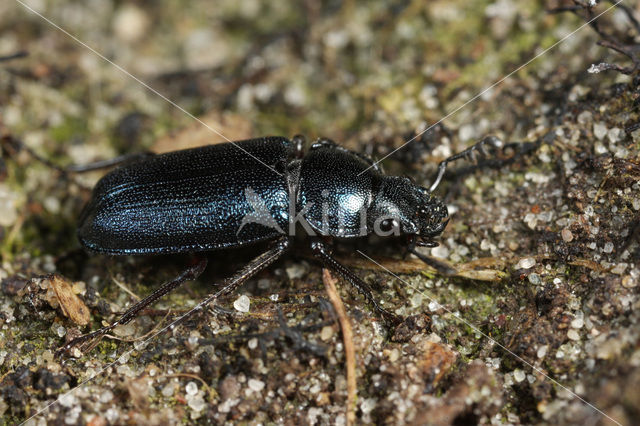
x: 191, y: 200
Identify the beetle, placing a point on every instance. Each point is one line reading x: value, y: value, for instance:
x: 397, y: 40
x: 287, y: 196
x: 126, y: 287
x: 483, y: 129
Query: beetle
x: 241, y: 193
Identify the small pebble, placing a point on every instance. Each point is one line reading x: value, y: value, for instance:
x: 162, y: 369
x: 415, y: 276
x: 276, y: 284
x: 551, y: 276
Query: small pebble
x: 567, y: 236
x: 534, y: 279
x: 599, y: 148
x: 526, y: 263
x: 139, y: 345
x: 191, y: 388
x: 130, y: 23
x: 577, y: 323
x: 196, y: 403
x: 242, y: 304
x: 394, y: 355
x: 619, y: 268
x: 440, y: 251
x: 608, y: 247
x: 573, y: 334
x: 542, y: 351
x: 192, y: 341
x: 106, y: 396
x: 519, y: 375
x: 72, y: 416
x: 614, y: 134
x: 67, y: 400
x: 295, y: 271
x: 326, y: 333
x: 252, y: 343
x: 168, y: 390
x: 112, y: 415
x: 600, y: 130
x: 629, y: 282
x: 8, y: 206
x: 531, y: 220
x: 255, y: 385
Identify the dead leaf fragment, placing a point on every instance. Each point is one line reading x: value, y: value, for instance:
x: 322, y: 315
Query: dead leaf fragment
x: 436, y: 361
x: 475, y: 270
x: 72, y: 306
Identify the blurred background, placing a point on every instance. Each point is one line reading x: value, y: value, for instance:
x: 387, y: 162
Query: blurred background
x: 371, y: 76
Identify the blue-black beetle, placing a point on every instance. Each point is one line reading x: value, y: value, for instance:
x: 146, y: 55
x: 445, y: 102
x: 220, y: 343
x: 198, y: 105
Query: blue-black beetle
x: 235, y: 194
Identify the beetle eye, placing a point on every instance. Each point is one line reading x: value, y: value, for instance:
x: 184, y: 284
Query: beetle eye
x: 388, y: 224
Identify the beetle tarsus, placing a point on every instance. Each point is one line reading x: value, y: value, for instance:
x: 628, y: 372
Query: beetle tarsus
x: 473, y: 153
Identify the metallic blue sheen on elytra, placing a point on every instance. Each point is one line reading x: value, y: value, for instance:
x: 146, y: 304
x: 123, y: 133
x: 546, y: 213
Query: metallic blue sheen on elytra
x: 188, y: 201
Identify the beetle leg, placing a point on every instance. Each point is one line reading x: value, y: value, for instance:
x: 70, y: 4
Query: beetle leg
x: 256, y: 265
x: 299, y: 143
x: 229, y: 285
x: 232, y: 283
x: 328, y: 143
x: 373, y: 164
x: 17, y: 145
x: 472, y: 153
x: 191, y: 273
x: 111, y: 162
x: 320, y: 251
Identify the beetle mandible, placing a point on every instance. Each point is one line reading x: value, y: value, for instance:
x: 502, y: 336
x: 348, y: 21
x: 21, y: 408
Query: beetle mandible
x: 220, y: 196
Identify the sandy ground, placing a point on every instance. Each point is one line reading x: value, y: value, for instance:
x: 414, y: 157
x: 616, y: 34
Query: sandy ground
x: 542, y: 326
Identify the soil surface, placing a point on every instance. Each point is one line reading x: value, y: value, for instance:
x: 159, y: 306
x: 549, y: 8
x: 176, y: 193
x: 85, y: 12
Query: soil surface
x: 539, y: 326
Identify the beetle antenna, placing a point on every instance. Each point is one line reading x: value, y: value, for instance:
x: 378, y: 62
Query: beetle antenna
x: 473, y: 153
x: 16, y: 145
x: 16, y: 55
x: 439, y: 265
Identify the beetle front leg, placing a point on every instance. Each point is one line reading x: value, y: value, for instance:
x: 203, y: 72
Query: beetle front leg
x: 321, y: 252
x: 191, y: 273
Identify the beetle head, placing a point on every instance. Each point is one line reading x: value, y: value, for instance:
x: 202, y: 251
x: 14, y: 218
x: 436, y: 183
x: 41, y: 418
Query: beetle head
x: 410, y: 208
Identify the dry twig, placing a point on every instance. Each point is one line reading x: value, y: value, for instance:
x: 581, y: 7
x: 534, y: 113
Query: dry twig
x: 347, y: 337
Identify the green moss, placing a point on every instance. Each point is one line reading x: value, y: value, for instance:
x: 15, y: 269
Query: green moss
x: 72, y: 128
